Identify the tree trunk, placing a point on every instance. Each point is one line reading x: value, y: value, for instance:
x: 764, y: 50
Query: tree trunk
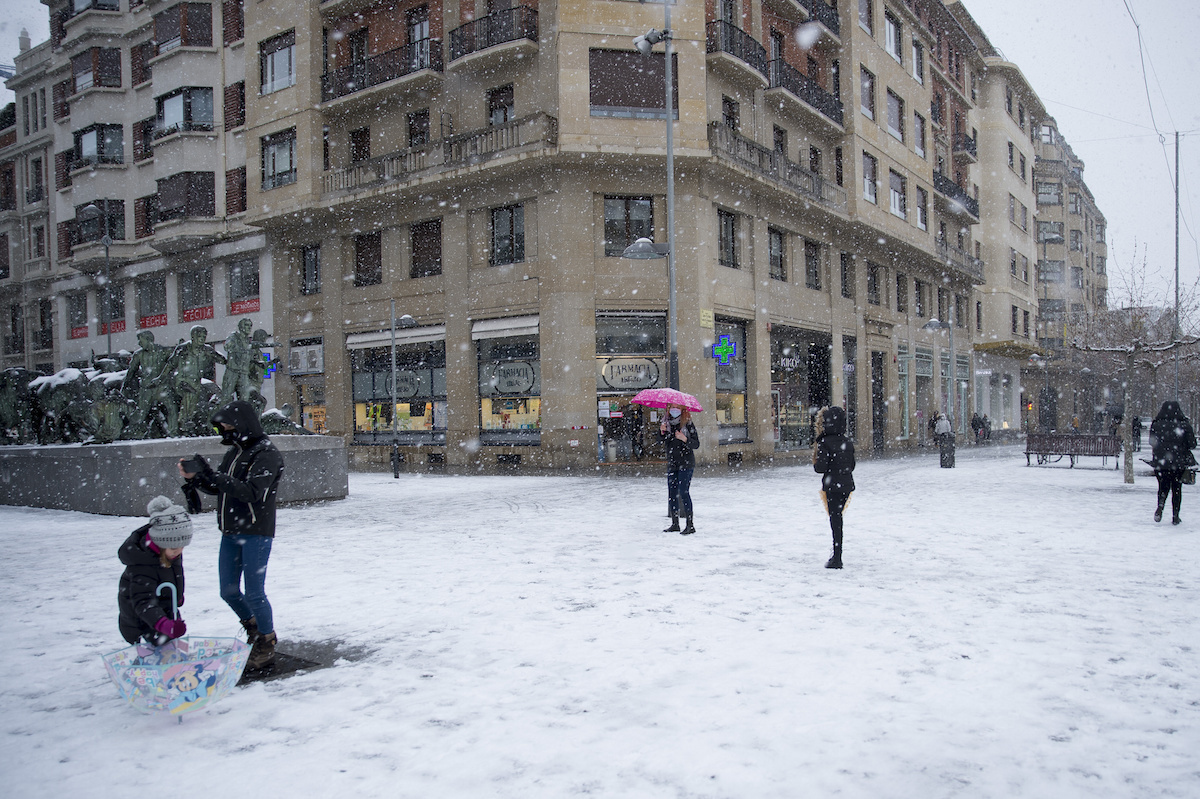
x: 1126, y: 419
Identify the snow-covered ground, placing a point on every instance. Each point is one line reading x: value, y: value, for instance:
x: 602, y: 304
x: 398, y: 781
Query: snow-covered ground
x: 998, y: 631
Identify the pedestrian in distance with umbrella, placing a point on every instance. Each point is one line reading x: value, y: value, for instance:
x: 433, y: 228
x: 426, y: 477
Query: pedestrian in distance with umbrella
x: 681, y: 440
x: 1172, y: 440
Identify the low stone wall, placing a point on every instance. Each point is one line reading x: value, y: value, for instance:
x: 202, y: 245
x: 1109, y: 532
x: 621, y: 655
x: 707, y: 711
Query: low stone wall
x: 118, y: 479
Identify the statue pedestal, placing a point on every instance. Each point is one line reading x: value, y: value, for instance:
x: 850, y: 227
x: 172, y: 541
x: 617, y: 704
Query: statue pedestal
x: 118, y: 479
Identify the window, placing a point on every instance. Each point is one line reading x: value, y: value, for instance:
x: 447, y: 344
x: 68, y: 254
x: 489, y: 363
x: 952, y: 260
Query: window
x: 508, y: 235
x: 727, y: 232
x: 187, y: 194
x: 1100, y: 231
x: 418, y: 127
x: 626, y: 83
x: 77, y: 316
x: 99, y: 66
x: 779, y: 138
x: 922, y: 208
x: 941, y: 304
x: 979, y: 316
x: 919, y: 134
x: 731, y: 384
x: 626, y: 219
x: 184, y: 109
x: 1101, y: 262
x: 1025, y: 323
x: 276, y: 62
x: 1049, y: 194
x: 777, y: 254
x: 501, y: 106
x: 847, y: 275
x: 1076, y: 206
x: 1018, y: 214
x: 110, y: 221
x: 869, y: 177
x: 1025, y: 268
x: 867, y: 103
x: 1077, y: 277
x: 1016, y: 319
x: 864, y: 16
x: 1022, y: 168
x: 1021, y: 115
x: 112, y: 317
x: 812, y: 265
x: 1012, y: 261
x: 901, y: 293
x: 814, y: 160
x: 1077, y: 240
x: 838, y: 174
x: 184, y: 25
x: 893, y: 36
x: 730, y: 113
x: 898, y: 192
x: 873, y: 284
x: 426, y: 241
x: 1050, y: 232
x: 243, y: 287
x: 195, y: 295
x: 368, y: 259
x: 895, y: 115
x: 1008, y: 103
x: 919, y: 298
x: 99, y: 144
x: 360, y: 144
x: 959, y: 321
x: 279, y: 159
x: 1050, y: 271
x: 310, y: 270
x: 918, y: 57
x: 509, y: 390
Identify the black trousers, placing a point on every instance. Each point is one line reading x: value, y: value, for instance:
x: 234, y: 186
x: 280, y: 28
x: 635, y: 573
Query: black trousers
x: 1170, y: 483
x: 835, y: 503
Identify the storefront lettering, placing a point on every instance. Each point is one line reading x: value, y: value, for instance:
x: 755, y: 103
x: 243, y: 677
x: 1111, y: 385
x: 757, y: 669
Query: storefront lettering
x: 517, y: 377
x: 628, y: 374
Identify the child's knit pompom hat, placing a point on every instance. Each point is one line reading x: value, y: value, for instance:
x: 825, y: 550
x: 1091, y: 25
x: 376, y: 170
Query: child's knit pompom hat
x: 170, y: 525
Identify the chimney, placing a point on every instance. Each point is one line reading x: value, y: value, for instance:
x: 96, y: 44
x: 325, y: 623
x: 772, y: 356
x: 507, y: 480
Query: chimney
x: 23, y: 40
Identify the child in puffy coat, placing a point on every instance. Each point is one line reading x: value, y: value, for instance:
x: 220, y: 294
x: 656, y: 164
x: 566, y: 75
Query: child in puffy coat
x: 833, y: 458
x: 153, y: 555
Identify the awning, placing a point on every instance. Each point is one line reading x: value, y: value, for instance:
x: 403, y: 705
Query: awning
x: 505, y: 327
x: 383, y: 338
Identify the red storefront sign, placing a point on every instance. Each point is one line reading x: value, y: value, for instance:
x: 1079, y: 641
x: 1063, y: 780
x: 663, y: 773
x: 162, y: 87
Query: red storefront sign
x: 154, y: 320
x: 79, y: 332
x: 117, y: 327
x: 243, y: 306
x: 197, y: 314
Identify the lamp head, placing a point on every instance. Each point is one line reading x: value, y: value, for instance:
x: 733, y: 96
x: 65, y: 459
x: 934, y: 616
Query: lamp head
x: 646, y: 41
x: 405, y: 321
x: 644, y: 249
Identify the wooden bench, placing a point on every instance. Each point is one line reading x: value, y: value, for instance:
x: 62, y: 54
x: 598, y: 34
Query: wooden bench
x: 1071, y: 445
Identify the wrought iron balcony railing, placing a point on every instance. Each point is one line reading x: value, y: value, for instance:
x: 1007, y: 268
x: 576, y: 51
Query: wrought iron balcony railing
x: 499, y: 27
x: 783, y: 75
x: 951, y: 190
x: 726, y: 38
x: 774, y: 165
x: 965, y: 144
x: 381, y: 68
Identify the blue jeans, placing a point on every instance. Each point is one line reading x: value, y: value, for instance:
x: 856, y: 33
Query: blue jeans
x: 679, y: 492
x: 245, y: 557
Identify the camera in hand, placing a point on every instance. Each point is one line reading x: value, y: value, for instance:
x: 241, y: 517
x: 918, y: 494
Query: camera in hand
x: 193, y: 465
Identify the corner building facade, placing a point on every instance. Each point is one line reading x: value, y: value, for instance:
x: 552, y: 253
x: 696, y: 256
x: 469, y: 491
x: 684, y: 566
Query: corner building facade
x: 482, y: 168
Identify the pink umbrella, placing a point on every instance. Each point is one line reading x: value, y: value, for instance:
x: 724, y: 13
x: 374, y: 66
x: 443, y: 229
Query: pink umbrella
x: 666, y: 397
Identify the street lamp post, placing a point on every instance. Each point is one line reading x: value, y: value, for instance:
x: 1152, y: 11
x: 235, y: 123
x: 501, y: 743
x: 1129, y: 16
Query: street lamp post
x: 405, y: 321
x: 644, y: 248
x: 90, y: 211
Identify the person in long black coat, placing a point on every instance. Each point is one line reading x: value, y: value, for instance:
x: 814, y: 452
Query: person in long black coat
x: 680, y: 439
x: 833, y: 458
x: 1172, y: 440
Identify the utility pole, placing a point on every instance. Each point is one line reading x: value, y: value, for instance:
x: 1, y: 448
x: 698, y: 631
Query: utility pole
x: 1176, y: 332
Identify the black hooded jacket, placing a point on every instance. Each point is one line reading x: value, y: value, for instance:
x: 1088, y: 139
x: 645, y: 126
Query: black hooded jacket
x: 246, y: 481
x: 833, y: 454
x: 1172, y: 439
x: 139, y: 607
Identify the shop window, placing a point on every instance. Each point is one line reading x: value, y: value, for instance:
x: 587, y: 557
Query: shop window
x: 626, y: 219
x: 625, y: 83
x: 426, y: 240
x: 631, y: 335
x: 419, y: 415
x: 151, y: 298
x: 368, y: 259
x: 730, y: 347
x: 508, y: 235
x: 243, y: 287
x: 195, y: 295
x: 310, y: 270
x: 510, y: 410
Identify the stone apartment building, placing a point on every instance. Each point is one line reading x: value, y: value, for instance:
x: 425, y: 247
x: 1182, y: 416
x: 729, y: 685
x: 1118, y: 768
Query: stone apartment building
x: 481, y: 169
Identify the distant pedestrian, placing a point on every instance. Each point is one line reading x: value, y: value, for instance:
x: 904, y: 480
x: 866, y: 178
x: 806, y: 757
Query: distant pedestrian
x: 977, y: 427
x: 681, y: 440
x: 153, y: 558
x: 833, y: 458
x: 1172, y: 440
x: 245, y: 484
x: 944, y: 433
x: 1135, y: 427
x: 987, y: 428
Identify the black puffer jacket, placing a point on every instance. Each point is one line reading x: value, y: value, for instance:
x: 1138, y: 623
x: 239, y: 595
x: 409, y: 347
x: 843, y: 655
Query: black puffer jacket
x: 833, y: 454
x: 1172, y: 439
x: 247, y: 479
x: 681, y: 455
x: 140, y: 609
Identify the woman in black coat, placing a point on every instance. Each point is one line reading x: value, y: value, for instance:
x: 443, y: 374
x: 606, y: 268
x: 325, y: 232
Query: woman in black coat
x: 833, y: 458
x: 1172, y: 440
x: 681, y: 440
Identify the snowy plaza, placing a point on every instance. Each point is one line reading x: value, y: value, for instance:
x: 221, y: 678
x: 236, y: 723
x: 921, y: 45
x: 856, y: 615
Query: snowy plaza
x: 999, y: 630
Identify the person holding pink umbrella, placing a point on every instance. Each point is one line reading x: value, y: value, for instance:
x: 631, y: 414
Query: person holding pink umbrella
x: 681, y: 440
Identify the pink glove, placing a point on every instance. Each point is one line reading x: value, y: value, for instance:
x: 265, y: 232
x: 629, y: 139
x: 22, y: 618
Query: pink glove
x: 171, y: 628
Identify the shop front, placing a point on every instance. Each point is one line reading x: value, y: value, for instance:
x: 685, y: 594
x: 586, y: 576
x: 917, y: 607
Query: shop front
x: 729, y: 357
x: 800, y: 385
x: 630, y: 356
x: 510, y: 381
x: 419, y: 413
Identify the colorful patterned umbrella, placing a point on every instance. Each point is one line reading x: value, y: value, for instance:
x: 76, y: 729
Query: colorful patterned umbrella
x: 180, y: 676
x: 665, y: 398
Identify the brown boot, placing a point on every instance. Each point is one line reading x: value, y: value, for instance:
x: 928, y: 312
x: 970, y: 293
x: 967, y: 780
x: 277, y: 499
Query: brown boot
x: 251, y: 628
x: 262, y: 654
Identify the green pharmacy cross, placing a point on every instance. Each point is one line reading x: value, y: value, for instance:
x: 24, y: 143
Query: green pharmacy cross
x: 724, y: 350
x: 271, y: 367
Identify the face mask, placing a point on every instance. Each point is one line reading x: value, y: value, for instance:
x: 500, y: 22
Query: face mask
x: 675, y: 413
x: 228, y: 437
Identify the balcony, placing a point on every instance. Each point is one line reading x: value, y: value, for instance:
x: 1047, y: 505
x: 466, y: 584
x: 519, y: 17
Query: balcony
x: 820, y: 104
x: 410, y: 59
x: 730, y: 145
x: 961, y: 260
x: 960, y: 201
x: 825, y: 14
x: 517, y: 26
x: 739, y: 53
x: 965, y: 149
x: 531, y: 134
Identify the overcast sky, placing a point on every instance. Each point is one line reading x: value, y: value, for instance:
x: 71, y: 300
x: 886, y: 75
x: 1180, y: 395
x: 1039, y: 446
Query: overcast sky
x: 1082, y: 58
